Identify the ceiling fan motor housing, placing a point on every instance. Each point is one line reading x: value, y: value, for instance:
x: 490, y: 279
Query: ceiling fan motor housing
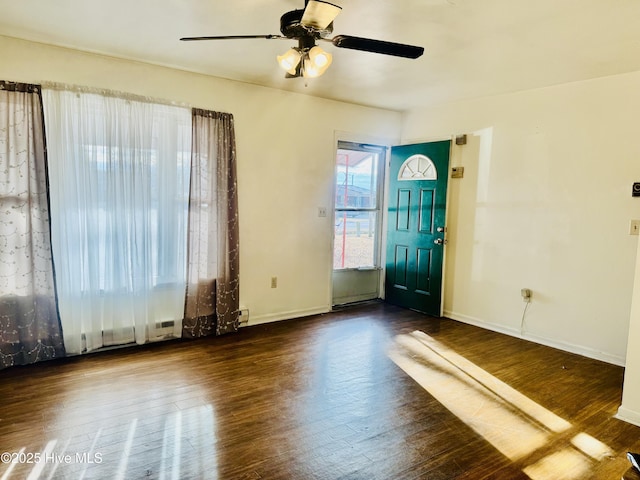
x: 291, y: 26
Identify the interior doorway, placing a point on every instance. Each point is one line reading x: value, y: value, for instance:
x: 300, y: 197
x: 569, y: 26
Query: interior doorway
x: 359, y: 180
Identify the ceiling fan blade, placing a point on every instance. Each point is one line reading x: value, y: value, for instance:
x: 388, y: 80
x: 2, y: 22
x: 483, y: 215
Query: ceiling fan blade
x: 318, y: 14
x: 377, y: 46
x: 229, y: 37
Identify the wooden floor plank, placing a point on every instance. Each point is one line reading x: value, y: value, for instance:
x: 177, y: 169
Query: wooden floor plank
x: 319, y: 397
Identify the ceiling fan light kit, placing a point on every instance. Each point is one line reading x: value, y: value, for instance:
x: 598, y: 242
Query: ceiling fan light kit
x: 308, y: 63
x: 316, y: 62
x: 320, y: 58
x: 313, y: 23
x: 311, y: 62
x: 289, y: 60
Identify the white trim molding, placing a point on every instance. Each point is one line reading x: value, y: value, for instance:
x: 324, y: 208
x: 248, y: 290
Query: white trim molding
x: 560, y: 345
x: 629, y: 416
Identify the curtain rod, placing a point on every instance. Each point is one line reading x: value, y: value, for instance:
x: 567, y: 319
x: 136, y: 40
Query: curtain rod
x: 111, y: 93
x: 19, y: 87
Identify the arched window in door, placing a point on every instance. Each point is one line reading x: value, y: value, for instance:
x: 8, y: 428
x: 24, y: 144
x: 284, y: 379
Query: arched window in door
x: 418, y: 167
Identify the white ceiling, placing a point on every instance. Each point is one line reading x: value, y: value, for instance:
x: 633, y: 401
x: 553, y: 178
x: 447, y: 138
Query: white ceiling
x: 473, y: 48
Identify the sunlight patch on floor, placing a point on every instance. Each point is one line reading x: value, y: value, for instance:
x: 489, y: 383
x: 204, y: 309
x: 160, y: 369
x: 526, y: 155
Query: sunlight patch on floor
x: 591, y: 446
x: 12, y: 465
x: 188, y: 443
x: 173, y: 424
x: 204, y: 442
x: 513, y: 423
x: 124, y: 459
x: 39, y: 466
x: 566, y: 464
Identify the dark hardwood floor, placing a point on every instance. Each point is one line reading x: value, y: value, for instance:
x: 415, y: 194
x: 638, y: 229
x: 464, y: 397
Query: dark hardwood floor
x: 355, y: 394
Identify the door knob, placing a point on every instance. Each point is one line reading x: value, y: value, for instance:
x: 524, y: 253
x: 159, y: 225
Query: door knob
x: 440, y: 229
x: 438, y: 241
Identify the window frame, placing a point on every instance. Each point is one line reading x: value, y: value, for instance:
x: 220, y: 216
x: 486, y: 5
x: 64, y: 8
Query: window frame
x: 381, y: 152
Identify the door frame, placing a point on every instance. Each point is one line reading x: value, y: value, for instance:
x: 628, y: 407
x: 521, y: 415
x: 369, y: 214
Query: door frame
x: 387, y: 142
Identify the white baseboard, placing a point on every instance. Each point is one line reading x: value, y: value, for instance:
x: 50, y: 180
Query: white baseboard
x: 628, y: 416
x: 549, y: 342
x: 277, y: 317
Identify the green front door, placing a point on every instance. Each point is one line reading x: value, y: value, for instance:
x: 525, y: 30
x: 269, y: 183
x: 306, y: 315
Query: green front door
x: 416, y: 225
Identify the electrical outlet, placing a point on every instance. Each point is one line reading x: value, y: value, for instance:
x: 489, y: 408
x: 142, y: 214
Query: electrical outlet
x: 322, y: 212
x: 526, y: 295
x: 243, y: 317
x: 274, y: 282
x: 634, y: 227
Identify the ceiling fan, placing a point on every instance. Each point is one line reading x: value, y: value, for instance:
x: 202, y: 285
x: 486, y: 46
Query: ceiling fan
x: 314, y: 23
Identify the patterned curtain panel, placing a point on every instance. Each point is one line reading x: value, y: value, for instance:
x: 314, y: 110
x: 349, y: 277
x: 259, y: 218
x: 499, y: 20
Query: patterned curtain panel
x: 212, y: 299
x: 29, y: 322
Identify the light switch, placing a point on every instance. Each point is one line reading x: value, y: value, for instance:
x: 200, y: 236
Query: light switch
x: 634, y: 227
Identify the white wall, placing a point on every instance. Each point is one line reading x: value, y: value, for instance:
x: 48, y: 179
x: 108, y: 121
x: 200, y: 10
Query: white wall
x: 630, y: 408
x: 286, y: 155
x: 545, y: 204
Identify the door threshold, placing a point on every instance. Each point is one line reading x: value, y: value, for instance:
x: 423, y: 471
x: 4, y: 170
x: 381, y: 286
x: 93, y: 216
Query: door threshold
x: 342, y: 306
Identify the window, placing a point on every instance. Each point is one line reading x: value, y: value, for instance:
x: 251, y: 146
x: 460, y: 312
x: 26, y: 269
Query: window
x: 418, y: 167
x: 119, y: 189
x: 357, y: 205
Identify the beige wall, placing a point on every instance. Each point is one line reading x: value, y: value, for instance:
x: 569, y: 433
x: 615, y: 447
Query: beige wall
x: 545, y: 204
x: 286, y: 152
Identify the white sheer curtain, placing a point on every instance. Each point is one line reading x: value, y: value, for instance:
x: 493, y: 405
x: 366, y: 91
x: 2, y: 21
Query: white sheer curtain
x: 119, y: 186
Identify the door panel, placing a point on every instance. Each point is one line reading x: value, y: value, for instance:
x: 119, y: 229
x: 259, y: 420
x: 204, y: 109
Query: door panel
x: 416, y: 225
x: 404, y: 209
x: 423, y: 278
x: 400, y: 273
x: 426, y: 211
